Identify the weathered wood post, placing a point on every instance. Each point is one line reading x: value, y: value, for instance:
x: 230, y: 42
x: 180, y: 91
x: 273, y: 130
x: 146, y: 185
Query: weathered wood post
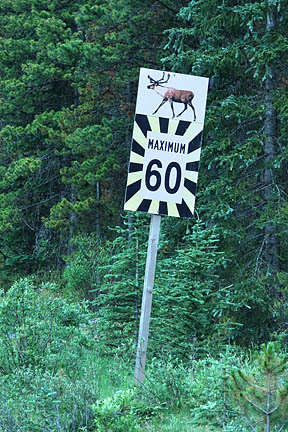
x: 147, y: 298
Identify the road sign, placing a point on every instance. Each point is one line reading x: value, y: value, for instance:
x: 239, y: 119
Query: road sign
x: 164, y: 164
x: 165, y: 150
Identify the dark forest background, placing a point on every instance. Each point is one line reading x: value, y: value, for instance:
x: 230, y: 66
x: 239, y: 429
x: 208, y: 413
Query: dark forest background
x: 68, y: 82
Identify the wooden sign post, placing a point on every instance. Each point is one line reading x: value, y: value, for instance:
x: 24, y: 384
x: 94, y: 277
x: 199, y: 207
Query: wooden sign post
x: 147, y: 298
x: 164, y: 164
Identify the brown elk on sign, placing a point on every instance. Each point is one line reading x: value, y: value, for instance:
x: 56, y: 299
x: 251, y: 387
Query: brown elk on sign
x: 172, y: 95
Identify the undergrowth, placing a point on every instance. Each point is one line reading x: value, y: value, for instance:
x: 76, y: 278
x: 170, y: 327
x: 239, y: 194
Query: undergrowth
x: 55, y: 377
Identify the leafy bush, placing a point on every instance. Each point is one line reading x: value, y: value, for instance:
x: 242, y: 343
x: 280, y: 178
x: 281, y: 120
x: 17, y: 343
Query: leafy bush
x: 209, y: 402
x: 116, y: 413
x: 40, y: 330
x: 51, y: 373
x: 198, y: 390
x: 166, y: 386
x: 37, y: 401
x: 81, y: 275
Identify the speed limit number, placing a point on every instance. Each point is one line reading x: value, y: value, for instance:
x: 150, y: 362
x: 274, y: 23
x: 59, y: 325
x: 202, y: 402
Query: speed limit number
x: 164, y: 167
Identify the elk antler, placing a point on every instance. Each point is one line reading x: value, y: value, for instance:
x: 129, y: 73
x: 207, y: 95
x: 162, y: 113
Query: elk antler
x: 161, y: 81
x: 152, y: 80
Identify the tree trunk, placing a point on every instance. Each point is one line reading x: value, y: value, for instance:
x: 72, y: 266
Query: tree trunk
x: 270, y: 129
x: 72, y: 195
x: 97, y: 215
x: 268, y: 405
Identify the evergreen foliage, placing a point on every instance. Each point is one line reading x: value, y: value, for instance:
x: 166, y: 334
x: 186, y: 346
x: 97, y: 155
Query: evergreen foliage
x: 68, y: 74
x: 68, y: 82
x: 263, y: 394
x: 187, y: 286
x: 119, y: 296
x: 190, y: 300
x: 242, y: 47
x: 68, y: 78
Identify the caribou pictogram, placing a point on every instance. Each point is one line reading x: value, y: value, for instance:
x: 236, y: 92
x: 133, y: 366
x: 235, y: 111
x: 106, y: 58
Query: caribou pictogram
x: 172, y: 95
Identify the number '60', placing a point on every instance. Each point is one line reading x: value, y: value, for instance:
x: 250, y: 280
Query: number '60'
x: 153, y: 177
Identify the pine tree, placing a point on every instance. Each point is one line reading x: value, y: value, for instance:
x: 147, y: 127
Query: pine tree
x: 39, y: 47
x: 263, y: 393
x: 189, y: 300
x: 68, y: 73
x: 242, y: 47
x: 119, y: 295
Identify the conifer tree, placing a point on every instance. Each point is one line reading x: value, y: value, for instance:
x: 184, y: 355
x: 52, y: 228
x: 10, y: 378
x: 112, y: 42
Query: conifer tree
x: 68, y: 78
x: 263, y: 394
x: 242, y: 48
x: 39, y: 48
x: 189, y: 299
x: 119, y: 295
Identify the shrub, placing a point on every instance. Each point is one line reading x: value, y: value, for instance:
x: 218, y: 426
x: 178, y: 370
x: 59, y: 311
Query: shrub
x: 198, y: 388
x: 36, y: 401
x: 40, y: 330
x: 165, y: 386
x: 116, y: 413
x: 81, y: 274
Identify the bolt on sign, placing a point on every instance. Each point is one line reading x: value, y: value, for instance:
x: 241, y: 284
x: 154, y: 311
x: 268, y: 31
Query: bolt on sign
x: 166, y: 143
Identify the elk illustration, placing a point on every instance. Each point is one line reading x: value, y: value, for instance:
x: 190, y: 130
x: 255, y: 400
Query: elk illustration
x: 172, y: 95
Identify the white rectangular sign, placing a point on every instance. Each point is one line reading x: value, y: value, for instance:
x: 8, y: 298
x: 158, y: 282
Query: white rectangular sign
x: 170, y: 94
x: 166, y: 143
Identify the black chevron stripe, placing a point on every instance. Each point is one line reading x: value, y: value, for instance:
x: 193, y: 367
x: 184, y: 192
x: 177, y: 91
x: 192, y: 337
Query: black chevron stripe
x: 184, y: 210
x: 192, y: 166
x: 195, y: 143
x: 143, y: 123
x: 163, y: 208
x: 164, y: 123
x: 132, y: 189
x: 182, y: 127
x: 190, y: 185
x: 144, y: 206
x: 134, y: 167
x: 137, y: 148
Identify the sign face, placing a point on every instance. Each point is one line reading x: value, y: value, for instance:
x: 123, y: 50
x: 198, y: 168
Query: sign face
x: 165, y: 151
x: 164, y: 167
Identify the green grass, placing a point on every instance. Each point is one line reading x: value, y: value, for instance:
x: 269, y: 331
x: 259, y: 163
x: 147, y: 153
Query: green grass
x: 180, y: 422
x: 113, y: 376
x: 169, y: 423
